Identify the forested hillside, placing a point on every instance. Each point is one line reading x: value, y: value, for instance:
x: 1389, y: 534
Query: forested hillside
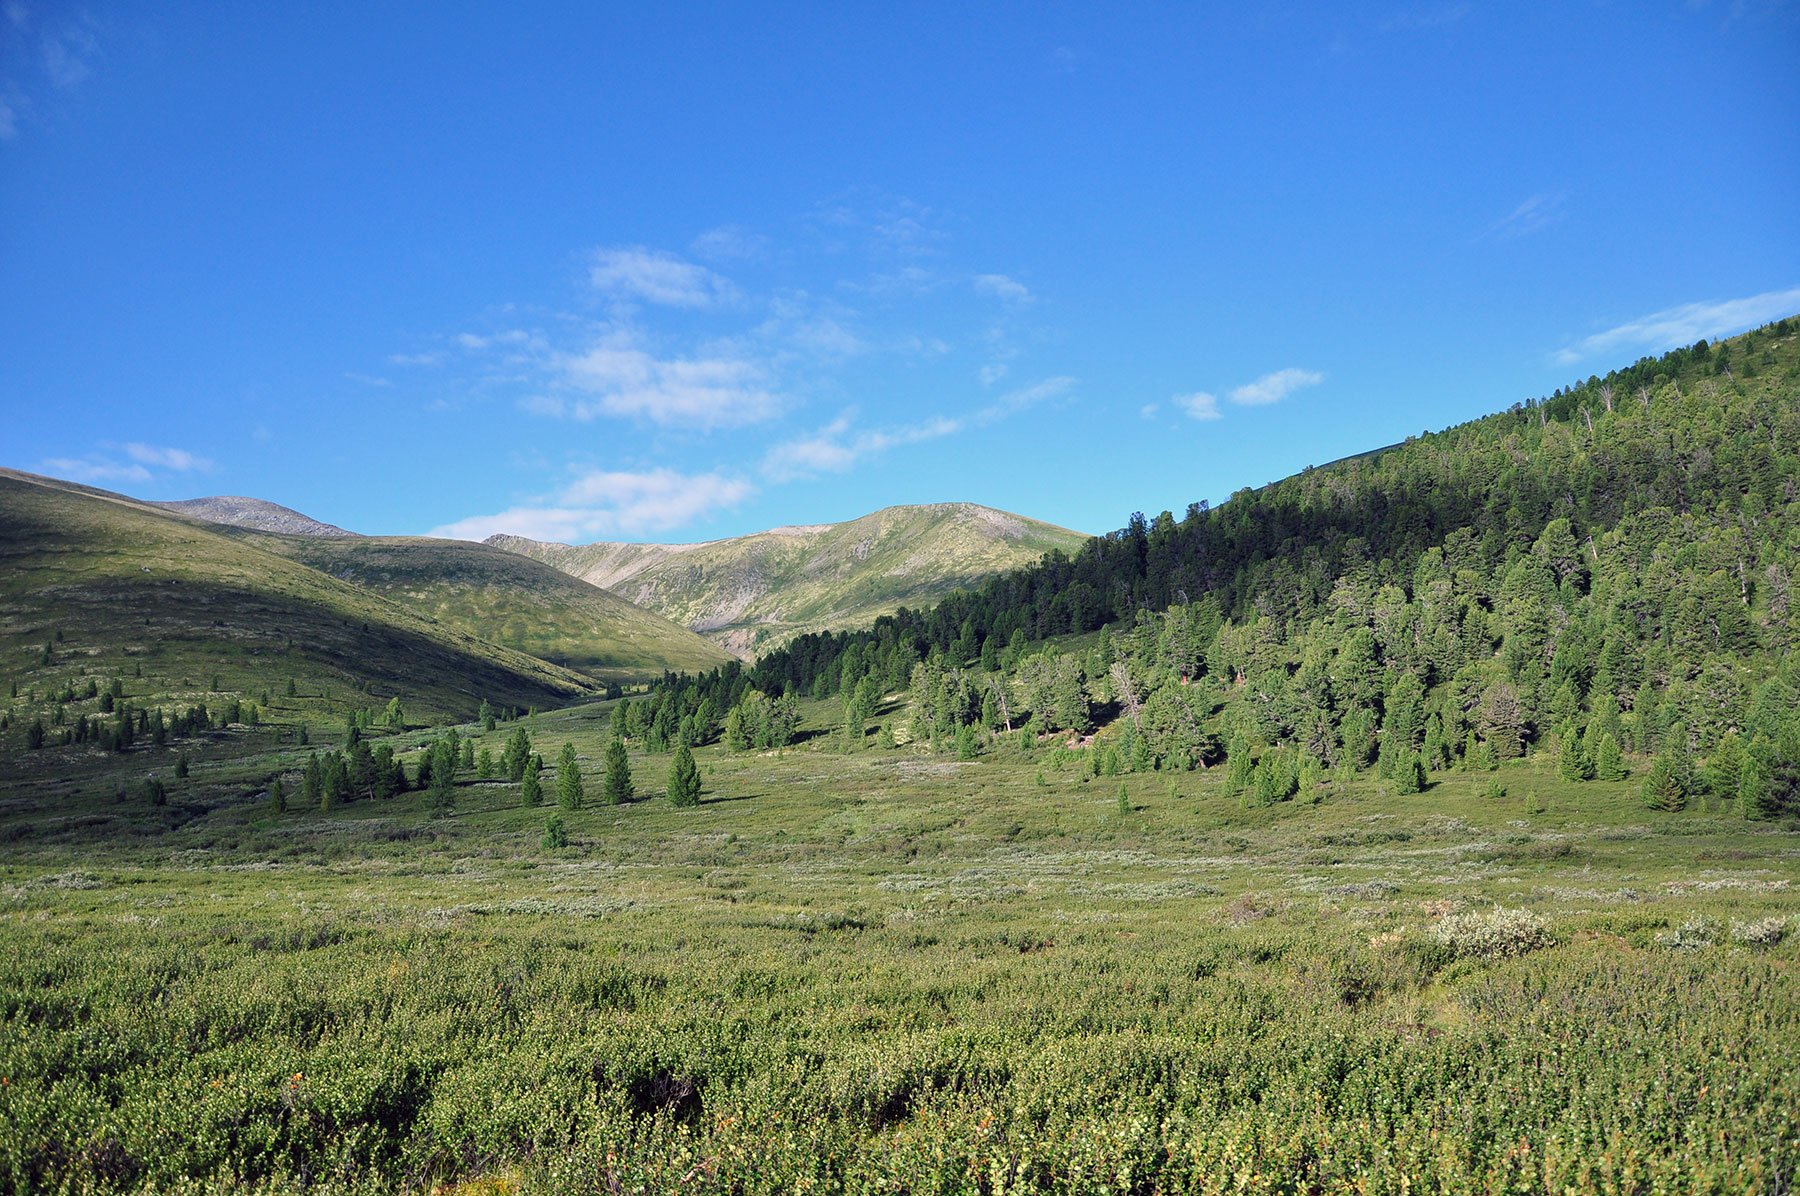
x: 1604, y: 573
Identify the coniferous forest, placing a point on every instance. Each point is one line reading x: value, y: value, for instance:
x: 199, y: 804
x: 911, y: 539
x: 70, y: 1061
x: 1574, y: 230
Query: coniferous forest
x: 1606, y: 572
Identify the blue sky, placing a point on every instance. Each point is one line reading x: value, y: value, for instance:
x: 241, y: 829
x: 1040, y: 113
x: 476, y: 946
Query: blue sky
x: 681, y: 272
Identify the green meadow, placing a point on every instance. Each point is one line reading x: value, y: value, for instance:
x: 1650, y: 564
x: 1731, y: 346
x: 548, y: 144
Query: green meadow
x: 877, y: 970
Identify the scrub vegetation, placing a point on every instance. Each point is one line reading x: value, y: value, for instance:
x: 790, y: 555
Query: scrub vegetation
x: 1422, y: 823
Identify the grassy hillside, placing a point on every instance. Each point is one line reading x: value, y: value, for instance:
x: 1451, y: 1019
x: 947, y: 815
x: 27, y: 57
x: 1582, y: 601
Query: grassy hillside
x: 511, y: 600
x: 98, y: 586
x: 872, y: 971
x: 754, y: 592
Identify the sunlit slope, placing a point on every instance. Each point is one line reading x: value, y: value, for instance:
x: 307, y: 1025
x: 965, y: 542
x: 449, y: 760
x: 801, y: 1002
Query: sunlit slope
x: 755, y: 592
x: 103, y: 585
x: 510, y: 600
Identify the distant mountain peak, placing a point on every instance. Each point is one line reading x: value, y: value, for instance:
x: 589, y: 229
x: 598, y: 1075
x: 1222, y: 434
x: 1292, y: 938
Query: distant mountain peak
x: 754, y: 592
x: 256, y: 514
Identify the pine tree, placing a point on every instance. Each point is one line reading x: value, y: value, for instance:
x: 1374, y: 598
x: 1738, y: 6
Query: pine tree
x: 484, y: 765
x: 555, y: 833
x: 486, y: 716
x: 737, y: 738
x: 532, y: 788
x: 684, y: 779
x: 516, y: 754
x: 1572, y: 763
x: 1609, y: 762
x: 1662, y: 788
x: 616, y: 788
x: 277, y: 796
x: 569, y: 789
x: 443, y: 776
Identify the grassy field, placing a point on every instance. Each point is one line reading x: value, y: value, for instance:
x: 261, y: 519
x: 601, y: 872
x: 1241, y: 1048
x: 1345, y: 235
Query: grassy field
x: 880, y: 971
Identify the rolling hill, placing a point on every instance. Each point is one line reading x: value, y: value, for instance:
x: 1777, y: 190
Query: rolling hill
x: 234, y: 510
x: 99, y: 585
x: 506, y: 599
x: 753, y: 593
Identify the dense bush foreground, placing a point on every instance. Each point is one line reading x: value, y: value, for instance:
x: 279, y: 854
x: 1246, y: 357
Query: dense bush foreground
x: 908, y: 976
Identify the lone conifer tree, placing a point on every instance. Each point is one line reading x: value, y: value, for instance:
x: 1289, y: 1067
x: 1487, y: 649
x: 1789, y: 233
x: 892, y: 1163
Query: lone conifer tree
x: 616, y: 789
x: 569, y: 789
x: 684, y: 779
x: 532, y: 787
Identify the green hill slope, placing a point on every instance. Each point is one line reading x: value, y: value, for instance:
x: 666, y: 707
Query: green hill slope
x: 98, y: 585
x: 755, y: 592
x: 508, y: 599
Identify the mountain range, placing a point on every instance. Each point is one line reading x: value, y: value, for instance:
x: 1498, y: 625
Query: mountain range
x: 753, y: 593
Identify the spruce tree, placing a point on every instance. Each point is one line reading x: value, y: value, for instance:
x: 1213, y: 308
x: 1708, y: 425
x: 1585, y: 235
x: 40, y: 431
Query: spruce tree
x: 1572, y: 763
x: 684, y: 779
x: 531, y: 787
x: 569, y: 789
x: 616, y: 788
x: 277, y: 796
x: 443, y: 776
x: 1662, y: 788
x: 516, y: 754
x: 555, y: 833
x: 1609, y: 761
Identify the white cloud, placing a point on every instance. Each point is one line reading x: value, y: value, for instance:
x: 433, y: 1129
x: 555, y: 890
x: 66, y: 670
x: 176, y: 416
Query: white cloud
x: 374, y: 380
x: 1534, y: 215
x: 179, y: 460
x: 624, y: 380
x: 1198, y: 405
x: 634, y: 272
x: 993, y: 372
x: 833, y: 449
x: 424, y: 359
x: 1014, y: 401
x: 608, y: 503
x: 730, y: 242
x: 1272, y: 388
x: 1149, y: 410
x: 94, y: 469
x: 1005, y: 289
x: 1676, y: 326
x: 67, y: 54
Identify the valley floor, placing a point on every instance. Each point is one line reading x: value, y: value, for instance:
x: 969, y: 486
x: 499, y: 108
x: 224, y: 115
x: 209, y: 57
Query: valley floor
x: 889, y: 972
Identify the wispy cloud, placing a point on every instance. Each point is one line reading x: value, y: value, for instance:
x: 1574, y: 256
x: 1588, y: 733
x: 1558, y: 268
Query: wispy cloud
x: 635, y: 273
x: 140, y: 464
x: 610, y: 503
x: 838, y: 446
x: 615, y: 376
x: 68, y: 53
x: 179, y: 460
x: 94, y: 469
x: 1534, y: 215
x: 1661, y: 331
x: 999, y: 286
x: 1434, y: 16
x: 1272, y: 388
x: 1199, y: 405
x: 835, y: 447
x: 731, y: 243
